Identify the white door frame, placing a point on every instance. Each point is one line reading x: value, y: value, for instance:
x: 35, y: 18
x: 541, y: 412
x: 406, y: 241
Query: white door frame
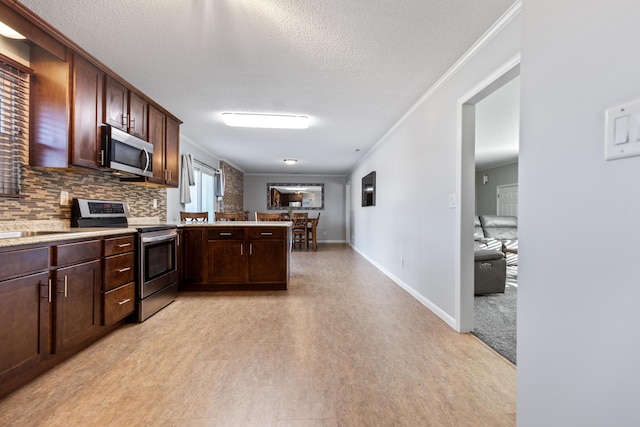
x: 465, y: 187
x: 347, y: 205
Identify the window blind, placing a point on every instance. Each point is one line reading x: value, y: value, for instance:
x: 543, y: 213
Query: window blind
x: 14, y: 126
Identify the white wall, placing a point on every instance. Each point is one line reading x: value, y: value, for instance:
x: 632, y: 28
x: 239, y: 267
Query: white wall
x: 579, y: 298
x: 173, y: 194
x: 331, y: 227
x: 415, y: 168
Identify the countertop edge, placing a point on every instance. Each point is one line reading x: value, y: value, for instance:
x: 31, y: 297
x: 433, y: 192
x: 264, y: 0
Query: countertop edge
x: 66, y: 234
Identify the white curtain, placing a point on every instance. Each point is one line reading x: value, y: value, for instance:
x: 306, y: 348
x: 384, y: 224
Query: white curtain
x: 220, y: 184
x: 187, y: 178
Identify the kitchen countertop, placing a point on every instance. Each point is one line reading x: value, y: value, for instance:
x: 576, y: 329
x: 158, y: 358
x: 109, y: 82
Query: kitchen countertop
x: 286, y: 224
x: 69, y: 233
x: 64, y: 234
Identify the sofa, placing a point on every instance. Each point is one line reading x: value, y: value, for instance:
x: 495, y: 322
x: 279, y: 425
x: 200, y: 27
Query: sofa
x: 498, y: 232
x: 495, y: 247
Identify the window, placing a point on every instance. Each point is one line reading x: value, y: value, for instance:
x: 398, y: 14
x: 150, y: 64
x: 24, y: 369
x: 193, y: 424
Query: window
x: 202, y: 194
x: 14, y: 125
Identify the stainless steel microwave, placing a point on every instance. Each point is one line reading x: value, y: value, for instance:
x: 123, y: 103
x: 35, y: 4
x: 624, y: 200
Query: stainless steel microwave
x: 125, y: 152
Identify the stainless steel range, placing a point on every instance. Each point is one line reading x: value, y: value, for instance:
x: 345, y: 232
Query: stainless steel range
x: 156, y: 252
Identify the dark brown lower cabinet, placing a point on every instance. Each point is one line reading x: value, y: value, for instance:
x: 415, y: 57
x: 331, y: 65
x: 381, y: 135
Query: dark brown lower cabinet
x: 218, y: 257
x: 77, y: 304
x: 268, y: 260
x: 25, y: 323
x: 52, y: 302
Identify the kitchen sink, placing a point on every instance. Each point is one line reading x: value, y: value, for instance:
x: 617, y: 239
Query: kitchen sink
x: 14, y: 234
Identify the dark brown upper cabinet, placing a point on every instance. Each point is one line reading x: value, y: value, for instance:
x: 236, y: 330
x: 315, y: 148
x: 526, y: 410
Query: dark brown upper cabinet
x: 72, y: 94
x: 164, y: 134
x: 124, y: 109
x: 86, y: 114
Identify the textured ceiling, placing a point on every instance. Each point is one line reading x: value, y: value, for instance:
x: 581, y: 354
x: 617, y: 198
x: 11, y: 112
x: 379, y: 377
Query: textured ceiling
x: 354, y: 67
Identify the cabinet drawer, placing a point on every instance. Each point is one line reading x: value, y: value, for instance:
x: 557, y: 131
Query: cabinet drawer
x: 16, y: 263
x: 118, y: 270
x: 267, y: 233
x: 226, y: 234
x: 118, y: 245
x: 73, y: 253
x: 118, y: 303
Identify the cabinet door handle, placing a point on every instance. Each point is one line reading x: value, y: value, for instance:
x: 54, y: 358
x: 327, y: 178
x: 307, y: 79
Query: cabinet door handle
x: 122, y: 270
x: 125, y: 120
x: 132, y: 122
x: 241, y: 249
x: 49, y: 290
x: 266, y: 234
x: 225, y: 234
x: 124, y: 245
x: 250, y: 248
x: 101, y: 158
x: 66, y: 283
x: 124, y: 301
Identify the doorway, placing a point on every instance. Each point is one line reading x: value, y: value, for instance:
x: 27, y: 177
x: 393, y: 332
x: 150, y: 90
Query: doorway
x: 466, y: 189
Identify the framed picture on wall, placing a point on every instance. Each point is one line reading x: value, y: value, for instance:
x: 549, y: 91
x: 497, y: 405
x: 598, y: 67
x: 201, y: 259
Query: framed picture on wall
x: 369, y: 189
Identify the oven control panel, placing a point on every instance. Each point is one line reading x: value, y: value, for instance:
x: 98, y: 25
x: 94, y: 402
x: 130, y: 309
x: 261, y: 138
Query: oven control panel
x: 99, y: 213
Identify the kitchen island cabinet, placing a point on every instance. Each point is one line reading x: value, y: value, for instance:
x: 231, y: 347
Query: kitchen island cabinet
x: 247, y: 255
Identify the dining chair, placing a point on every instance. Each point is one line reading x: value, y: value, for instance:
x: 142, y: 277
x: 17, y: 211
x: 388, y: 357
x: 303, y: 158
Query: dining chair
x: 194, y: 216
x: 228, y: 216
x: 299, y: 231
x: 312, y: 230
x: 263, y: 216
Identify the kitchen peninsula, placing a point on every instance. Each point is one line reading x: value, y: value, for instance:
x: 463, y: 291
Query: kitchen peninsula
x: 240, y: 255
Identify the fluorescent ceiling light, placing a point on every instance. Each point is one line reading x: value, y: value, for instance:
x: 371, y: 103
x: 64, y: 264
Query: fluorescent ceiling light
x: 9, y: 32
x: 272, y: 121
x: 290, y: 161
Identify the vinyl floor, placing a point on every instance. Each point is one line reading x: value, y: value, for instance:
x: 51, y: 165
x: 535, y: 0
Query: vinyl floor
x: 344, y: 346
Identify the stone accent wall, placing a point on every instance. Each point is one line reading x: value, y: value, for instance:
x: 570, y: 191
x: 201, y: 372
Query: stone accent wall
x: 41, y: 189
x: 233, y: 200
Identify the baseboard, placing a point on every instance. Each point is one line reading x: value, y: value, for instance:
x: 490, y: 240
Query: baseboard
x: 332, y: 241
x: 424, y: 301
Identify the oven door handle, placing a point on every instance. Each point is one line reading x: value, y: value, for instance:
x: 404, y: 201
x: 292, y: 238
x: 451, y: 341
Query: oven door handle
x: 172, y: 236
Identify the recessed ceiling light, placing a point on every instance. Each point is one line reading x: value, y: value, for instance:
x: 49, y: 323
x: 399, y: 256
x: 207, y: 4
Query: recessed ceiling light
x: 9, y: 32
x: 290, y: 161
x: 272, y: 121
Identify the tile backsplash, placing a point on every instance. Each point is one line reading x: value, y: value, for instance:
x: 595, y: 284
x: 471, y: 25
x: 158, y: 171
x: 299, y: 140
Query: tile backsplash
x: 41, y: 190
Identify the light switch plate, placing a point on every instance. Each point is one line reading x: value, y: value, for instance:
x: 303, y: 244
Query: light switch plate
x: 452, y: 201
x: 622, y: 127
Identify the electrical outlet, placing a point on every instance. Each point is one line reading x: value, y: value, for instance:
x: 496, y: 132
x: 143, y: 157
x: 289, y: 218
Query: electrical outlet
x: 64, y: 198
x: 155, y: 203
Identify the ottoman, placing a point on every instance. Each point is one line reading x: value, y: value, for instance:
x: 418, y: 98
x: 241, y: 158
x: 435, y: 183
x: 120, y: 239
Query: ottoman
x: 490, y: 272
